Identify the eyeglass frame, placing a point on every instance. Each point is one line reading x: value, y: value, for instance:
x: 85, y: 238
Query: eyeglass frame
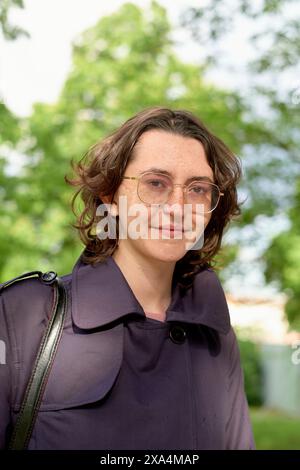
x: 184, y: 186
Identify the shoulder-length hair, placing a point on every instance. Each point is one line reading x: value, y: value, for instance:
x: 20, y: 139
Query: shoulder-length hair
x: 101, y: 169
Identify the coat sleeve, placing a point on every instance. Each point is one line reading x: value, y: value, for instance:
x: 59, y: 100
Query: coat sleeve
x: 239, y: 433
x: 5, y: 376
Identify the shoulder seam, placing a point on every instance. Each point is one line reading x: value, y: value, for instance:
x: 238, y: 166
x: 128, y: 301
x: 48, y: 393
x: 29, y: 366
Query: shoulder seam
x: 46, y: 278
x: 26, y: 275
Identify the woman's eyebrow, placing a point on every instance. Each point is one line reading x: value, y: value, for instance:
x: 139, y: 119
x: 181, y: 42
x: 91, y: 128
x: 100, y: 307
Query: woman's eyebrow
x: 167, y: 173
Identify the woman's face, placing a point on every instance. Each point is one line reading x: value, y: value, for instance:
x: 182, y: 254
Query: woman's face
x: 181, y: 160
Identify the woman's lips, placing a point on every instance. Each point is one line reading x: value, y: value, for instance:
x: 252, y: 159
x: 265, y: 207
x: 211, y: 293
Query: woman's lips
x: 169, y: 229
x: 171, y: 232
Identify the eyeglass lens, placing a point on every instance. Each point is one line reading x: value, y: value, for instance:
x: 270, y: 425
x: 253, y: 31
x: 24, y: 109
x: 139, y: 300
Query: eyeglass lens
x: 156, y: 189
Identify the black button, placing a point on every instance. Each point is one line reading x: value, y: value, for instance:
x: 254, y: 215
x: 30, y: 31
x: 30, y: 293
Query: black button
x: 177, y: 334
x: 49, y: 276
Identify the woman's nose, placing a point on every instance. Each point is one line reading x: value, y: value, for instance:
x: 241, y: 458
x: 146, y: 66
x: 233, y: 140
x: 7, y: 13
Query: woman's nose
x: 176, y: 196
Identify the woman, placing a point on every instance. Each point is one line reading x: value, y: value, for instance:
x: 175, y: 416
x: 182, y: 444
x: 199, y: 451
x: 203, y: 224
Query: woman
x: 147, y: 358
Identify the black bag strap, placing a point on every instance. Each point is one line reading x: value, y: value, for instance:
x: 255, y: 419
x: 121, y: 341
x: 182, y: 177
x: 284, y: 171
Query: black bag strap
x: 34, y: 392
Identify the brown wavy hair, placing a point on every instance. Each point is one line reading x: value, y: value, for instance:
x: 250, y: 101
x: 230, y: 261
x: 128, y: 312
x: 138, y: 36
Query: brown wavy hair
x: 101, y: 169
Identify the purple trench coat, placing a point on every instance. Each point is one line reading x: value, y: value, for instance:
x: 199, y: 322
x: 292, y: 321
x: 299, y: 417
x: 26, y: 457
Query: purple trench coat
x: 121, y: 380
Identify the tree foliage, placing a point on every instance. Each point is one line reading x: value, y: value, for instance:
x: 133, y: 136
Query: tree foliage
x: 10, y: 31
x: 283, y: 262
x: 9, y: 137
x: 273, y: 167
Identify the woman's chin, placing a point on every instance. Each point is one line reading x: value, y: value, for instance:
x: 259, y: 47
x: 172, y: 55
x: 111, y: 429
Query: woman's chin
x: 165, y: 250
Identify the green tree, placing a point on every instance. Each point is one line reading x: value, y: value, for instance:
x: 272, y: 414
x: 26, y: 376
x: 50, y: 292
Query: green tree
x: 274, y: 35
x: 252, y: 369
x: 9, y: 137
x: 283, y: 262
x: 10, y: 31
x: 272, y: 167
x: 11, y: 240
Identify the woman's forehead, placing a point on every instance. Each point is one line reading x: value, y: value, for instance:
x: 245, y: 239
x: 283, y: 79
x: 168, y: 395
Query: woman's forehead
x: 165, y: 141
x: 169, y: 152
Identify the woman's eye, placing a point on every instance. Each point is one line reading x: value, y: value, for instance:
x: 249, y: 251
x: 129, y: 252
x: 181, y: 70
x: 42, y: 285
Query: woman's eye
x: 157, y: 184
x: 199, y: 190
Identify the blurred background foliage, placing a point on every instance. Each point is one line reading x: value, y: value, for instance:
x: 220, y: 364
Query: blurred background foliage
x: 253, y: 373
x: 272, y: 166
x: 127, y: 62
x: 9, y: 30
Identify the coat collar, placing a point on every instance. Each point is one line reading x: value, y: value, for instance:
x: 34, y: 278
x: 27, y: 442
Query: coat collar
x: 101, y: 295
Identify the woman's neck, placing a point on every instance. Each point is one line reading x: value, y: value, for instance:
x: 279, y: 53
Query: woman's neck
x: 150, y: 280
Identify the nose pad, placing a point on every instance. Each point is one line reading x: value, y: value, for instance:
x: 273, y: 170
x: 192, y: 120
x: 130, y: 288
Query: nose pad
x: 177, y: 196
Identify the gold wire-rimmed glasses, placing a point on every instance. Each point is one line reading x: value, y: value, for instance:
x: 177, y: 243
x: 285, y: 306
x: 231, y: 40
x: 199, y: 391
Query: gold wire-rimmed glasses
x: 156, y: 188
